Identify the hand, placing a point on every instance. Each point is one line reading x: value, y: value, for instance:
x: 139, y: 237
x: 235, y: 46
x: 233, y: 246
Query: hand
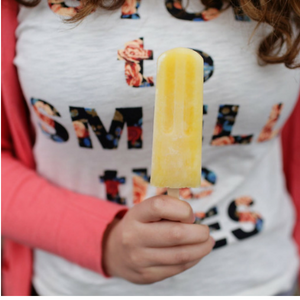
x: 156, y: 239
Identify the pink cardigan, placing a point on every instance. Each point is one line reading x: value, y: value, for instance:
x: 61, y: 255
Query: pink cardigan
x: 38, y: 214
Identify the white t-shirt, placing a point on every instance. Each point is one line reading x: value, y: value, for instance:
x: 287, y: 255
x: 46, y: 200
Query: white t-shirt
x: 90, y: 89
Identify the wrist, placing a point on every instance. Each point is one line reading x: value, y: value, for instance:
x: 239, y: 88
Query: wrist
x: 108, y: 248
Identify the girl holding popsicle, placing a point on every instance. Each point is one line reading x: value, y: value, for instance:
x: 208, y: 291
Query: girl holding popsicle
x: 79, y: 214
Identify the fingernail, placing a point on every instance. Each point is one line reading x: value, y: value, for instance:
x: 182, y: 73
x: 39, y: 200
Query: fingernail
x: 214, y: 242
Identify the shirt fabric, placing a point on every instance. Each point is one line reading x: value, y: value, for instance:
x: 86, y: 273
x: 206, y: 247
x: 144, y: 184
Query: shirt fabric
x: 76, y: 92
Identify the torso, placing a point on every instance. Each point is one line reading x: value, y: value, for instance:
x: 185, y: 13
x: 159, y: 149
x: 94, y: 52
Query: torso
x: 94, y: 136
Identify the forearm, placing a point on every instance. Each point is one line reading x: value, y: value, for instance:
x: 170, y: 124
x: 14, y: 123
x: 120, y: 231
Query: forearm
x: 41, y: 215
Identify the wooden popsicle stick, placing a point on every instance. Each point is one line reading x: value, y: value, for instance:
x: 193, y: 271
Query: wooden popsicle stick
x: 173, y: 193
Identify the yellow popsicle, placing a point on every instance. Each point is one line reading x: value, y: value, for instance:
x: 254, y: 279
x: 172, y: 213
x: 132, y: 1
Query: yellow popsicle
x: 177, y: 131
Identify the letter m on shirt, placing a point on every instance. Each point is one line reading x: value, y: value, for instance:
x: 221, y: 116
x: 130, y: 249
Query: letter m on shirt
x: 82, y: 117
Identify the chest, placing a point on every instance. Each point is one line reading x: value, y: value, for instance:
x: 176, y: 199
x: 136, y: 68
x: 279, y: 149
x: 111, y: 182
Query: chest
x: 108, y: 63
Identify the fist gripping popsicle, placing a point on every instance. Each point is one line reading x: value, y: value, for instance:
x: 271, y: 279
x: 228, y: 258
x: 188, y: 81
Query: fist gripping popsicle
x: 177, y: 132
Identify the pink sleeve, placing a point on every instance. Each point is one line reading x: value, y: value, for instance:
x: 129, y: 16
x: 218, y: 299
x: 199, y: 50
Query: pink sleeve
x: 291, y: 161
x: 40, y: 215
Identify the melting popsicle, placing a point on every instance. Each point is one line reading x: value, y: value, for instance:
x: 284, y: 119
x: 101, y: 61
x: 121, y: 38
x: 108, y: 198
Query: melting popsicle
x: 177, y: 132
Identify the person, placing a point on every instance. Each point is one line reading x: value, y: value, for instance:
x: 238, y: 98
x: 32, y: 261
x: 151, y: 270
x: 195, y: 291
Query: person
x: 79, y: 216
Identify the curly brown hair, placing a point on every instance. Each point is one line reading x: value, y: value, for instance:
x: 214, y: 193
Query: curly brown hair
x: 282, y: 45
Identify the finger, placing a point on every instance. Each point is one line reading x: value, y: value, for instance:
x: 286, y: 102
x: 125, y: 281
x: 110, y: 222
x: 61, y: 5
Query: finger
x: 158, y: 273
x: 167, y: 234
x: 179, y: 255
x: 163, y: 207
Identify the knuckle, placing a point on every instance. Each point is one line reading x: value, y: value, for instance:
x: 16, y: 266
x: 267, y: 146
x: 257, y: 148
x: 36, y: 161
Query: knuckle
x: 176, y: 233
x: 182, y: 258
x: 135, y: 259
x: 156, y: 204
x: 188, y: 211
x: 208, y: 248
x: 127, y: 238
x: 190, y: 265
x: 146, y: 276
x: 183, y: 267
x: 205, y: 232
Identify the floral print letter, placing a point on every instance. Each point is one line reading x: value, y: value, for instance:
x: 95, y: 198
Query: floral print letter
x: 244, y: 215
x: 112, y: 183
x: 134, y: 54
x: 50, y: 128
x: 130, y: 9
x: 222, y: 132
x: 61, y: 8
x: 267, y: 132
